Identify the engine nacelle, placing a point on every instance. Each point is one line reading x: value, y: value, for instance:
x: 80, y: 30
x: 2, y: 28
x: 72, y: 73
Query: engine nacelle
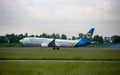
x: 44, y: 45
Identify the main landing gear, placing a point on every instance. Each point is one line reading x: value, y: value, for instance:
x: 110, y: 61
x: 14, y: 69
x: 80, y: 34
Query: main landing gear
x: 52, y: 44
x: 56, y: 48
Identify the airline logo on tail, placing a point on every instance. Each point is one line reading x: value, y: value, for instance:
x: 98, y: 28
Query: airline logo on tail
x: 88, y: 35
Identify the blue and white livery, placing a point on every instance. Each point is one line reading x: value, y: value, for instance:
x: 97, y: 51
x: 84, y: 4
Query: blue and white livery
x: 56, y: 43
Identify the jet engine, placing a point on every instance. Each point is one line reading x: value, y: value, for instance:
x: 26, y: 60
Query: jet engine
x: 44, y: 45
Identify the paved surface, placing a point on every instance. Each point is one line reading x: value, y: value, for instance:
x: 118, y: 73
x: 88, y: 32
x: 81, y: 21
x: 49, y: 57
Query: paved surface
x: 58, y: 61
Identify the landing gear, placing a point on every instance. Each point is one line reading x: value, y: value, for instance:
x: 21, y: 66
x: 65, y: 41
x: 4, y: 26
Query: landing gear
x: 52, y: 44
x: 56, y: 48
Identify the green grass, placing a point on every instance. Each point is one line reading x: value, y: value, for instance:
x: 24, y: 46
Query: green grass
x: 62, y: 54
x: 59, y: 68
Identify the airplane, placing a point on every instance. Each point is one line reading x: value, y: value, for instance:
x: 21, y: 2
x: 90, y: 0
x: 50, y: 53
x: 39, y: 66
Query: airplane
x: 57, y: 43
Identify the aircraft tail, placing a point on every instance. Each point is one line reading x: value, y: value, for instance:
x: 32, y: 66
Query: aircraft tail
x: 86, y: 39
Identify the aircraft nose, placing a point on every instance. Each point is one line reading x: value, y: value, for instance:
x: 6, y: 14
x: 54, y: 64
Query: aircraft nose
x: 21, y: 41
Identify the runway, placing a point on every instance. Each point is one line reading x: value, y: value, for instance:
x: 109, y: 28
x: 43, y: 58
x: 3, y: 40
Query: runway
x: 59, y: 61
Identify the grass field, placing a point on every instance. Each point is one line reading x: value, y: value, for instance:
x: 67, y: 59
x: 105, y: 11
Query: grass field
x: 62, y: 54
x: 59, y: 68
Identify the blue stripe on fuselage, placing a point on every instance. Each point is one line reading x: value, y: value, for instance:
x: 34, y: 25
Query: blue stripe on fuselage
x: 81, y: 44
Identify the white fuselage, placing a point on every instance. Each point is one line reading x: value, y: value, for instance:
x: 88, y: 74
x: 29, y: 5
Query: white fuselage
x: 45, y: 41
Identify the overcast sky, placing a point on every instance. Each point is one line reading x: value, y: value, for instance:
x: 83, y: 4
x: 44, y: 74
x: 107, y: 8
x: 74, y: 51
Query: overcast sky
x: 68, y: 17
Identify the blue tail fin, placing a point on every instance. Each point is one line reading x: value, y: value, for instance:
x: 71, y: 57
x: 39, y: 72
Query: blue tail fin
x: 86, y: 39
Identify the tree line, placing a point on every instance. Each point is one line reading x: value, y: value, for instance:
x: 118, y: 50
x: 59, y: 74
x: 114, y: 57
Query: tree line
x: 14, y: 38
